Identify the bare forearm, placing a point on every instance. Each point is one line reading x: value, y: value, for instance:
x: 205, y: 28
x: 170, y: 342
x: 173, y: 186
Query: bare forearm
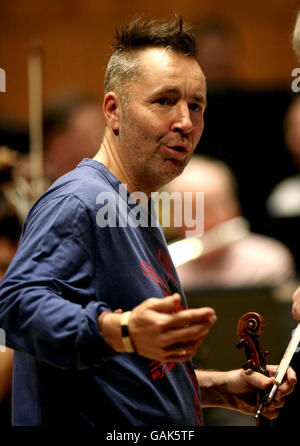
x: 213, y: 388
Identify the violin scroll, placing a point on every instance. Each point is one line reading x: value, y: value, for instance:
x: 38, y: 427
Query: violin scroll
x: 250, y: 326
x: 251, y: 323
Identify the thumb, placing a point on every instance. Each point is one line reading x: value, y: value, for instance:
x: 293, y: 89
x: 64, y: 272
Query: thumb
x: 258, y: 380
x: 118, y: 311
x: 169, y: 303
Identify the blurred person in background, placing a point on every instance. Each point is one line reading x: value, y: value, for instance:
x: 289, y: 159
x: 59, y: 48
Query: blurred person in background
x: 73, y: 126
x: 284, y: 200
x: 232, y: 104
x: 10, y: 230
x: 252, y: 259
x: 73, y: 129
x: 283, y: 203
x: 218, y: 49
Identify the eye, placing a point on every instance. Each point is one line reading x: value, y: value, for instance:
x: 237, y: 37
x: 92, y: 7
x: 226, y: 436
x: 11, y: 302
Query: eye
x: 163, y: 101
x: 195, y: 107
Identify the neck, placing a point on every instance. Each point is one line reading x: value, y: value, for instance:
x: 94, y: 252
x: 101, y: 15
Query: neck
x: 108, y: 155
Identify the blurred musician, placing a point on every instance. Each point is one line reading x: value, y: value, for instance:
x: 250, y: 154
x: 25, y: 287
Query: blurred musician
x: 249, y: 259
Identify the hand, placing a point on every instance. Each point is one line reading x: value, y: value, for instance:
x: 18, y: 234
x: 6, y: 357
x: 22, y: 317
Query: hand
x: 237, y: 390
x: 296, y: 305
x: 158, y: 333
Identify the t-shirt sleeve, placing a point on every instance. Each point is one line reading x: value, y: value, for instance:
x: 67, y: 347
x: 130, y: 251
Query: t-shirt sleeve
x: 49, y: 301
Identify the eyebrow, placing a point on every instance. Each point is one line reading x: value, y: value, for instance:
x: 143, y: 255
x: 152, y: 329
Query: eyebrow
x: 199, y: 97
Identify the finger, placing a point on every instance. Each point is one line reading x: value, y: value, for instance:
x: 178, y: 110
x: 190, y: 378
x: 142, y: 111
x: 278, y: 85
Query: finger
x: 272, y: 410
x: 192, y: 316
x: 287, y: 386
x: 192, y: 333
x: 296, y: 295
x: 176, y: 354
x: 296, y: 311
x: 275, y: 404
x: 178, y: 358
x: 256, y: 379
x: 169, y: 303
x: 181, y: 349
x: 272, y: 369
x: 291, y: 375
x: 187, y: 349
x: 284, y: 390
x: 181, y: 354
x: 272, y: 414
x: 118, y: 311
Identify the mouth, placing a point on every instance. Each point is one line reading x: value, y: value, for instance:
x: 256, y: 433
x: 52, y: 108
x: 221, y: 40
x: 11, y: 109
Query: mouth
x: 178, y: 148
x: 177, y: 151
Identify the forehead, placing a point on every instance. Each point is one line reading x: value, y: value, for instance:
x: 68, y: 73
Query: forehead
x: 161, y: 68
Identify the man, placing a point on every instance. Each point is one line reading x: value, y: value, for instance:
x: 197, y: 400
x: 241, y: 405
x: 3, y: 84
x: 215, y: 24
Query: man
x: 73, y: 126
x: 284, y: 199
x: 73, y: 129
x: 63, y: 296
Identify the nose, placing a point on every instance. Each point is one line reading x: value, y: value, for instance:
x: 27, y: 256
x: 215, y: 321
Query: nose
x: 182, y: 119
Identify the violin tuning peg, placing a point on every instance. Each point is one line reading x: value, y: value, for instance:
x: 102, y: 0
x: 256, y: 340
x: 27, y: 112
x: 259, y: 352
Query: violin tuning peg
x: 249, y: 365
x: 240, y: 344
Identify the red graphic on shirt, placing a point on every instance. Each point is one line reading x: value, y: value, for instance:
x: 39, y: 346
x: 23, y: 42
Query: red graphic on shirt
x: 159, y: 369
x: 151, y: 274
x: 197, y: 398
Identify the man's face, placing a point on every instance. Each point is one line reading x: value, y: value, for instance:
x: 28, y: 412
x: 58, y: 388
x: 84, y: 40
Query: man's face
x: 162, y: 122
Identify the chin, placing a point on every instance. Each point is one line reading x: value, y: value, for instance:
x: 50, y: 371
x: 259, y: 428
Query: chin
x: 169, y: 175
x: 162, y: 174
x: 176, y: 168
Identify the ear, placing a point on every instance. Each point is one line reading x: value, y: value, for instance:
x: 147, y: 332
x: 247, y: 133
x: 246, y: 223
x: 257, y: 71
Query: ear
x: 111, y: 109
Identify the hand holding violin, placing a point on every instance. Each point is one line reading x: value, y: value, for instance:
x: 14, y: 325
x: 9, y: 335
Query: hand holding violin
x: 244, y: 389
x: 237, y: 390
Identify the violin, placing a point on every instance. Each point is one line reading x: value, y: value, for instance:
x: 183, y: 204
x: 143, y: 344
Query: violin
x: 250, y: 326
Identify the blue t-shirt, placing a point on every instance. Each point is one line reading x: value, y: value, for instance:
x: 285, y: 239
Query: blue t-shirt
x: 66, y: 272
